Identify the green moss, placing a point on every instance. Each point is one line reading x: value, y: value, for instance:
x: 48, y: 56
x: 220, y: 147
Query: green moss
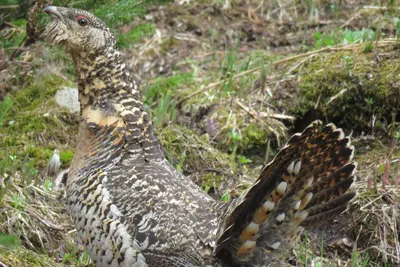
x: 211, y: 180
x: 41, y: 154
x: 348, y: 89
x: 35, y: 126
x: 26, y: 258
x: 254, y: 135
x: 66, y: 157
x: 35, y: 93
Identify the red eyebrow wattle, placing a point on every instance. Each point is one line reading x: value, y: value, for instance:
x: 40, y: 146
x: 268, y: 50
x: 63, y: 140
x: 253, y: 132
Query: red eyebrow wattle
x: 81, y: 17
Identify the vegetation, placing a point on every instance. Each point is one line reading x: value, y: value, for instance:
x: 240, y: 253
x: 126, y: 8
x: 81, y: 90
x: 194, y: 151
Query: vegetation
x: 226, y: 82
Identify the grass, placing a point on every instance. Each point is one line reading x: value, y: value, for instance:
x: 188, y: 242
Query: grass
x: 309, y: 255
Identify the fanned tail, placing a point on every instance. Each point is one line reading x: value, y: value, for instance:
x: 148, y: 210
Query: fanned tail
x: 307, y: 182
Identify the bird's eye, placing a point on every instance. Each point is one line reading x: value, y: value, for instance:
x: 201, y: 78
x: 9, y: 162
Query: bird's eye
x: 83, y: 21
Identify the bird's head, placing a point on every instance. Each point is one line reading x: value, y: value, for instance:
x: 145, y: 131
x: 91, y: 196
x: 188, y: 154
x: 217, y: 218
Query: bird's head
x: 77, y: 30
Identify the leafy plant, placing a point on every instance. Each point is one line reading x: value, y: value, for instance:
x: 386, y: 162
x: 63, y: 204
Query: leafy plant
x: 226, y: 196
x: 243, y: 160
x: 346, y: 37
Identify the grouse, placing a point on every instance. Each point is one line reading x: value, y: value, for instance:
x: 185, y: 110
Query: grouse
x: 130, y: 207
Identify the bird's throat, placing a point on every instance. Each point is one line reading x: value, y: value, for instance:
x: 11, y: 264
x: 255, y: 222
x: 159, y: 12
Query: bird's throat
x: 109, y: 97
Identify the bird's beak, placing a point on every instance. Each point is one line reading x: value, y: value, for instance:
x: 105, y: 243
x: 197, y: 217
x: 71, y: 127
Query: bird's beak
x: 52, y: 11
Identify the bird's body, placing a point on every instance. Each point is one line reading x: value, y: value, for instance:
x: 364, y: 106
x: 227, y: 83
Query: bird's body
x: 132, y: 208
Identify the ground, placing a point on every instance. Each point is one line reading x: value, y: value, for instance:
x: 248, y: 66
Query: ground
x: 227, y: 83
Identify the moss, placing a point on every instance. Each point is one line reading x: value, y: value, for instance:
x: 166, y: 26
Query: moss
x: 36, y: 126
x: 350, y: 88
x: 26, y: 258
x: 41, y: 155
x: 254, y: 135
x: 211, y: 180
x: 35, y: 92
x: 66, y: 157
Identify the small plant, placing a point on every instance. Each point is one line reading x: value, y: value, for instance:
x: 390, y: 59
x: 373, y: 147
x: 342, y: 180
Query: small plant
x: 346, y: 37
x: 5, y: 107
x: 322, y: 40
x: 165, y: 111
x: 236, y: 138
x: 243, y: 160
x: 226, y: 197
x: 364, y: 35
x: 179, y: 166
x: 18, y: 202
x: 349, y: 64
x: 48, y: 185
x: 357, y: 260
x: 303, y: 250
x: 398, y: 29
x: 228, y: 67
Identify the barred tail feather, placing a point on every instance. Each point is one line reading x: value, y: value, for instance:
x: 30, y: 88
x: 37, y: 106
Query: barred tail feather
x: 306, y: 182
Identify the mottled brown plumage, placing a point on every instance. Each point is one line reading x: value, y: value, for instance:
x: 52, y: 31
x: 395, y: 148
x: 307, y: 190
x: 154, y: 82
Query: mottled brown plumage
x: 132, y: 208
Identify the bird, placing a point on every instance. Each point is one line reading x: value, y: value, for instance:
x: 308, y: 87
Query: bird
x: 130, y: 207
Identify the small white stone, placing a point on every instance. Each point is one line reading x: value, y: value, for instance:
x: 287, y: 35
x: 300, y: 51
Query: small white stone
x: 67, y: 98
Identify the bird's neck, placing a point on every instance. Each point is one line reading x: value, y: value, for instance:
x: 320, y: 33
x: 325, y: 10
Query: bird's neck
x: 109, y: 97
x: 103, y: 80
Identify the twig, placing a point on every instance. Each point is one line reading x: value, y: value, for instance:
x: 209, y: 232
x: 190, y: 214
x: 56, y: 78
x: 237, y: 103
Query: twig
x: 259, y: 115
x: 370, y: 203
x: 13, y: 26
x: 248, y: 110
x: 336, y: 96
x: 71, y: 232
x: 9, y: 6
x: 380, y: 7
x: 47, y: 223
